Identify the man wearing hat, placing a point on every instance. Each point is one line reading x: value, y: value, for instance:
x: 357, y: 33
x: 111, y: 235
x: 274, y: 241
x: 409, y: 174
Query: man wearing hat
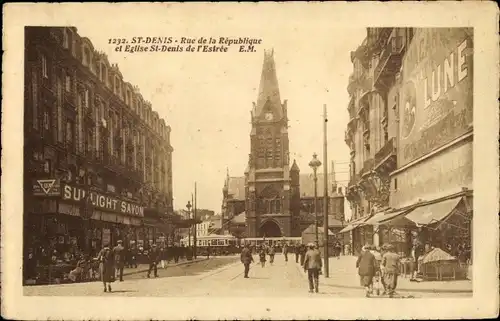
x: 119, y: 256
x: 246, y: 258
x: 390, y: 263
x: 153, y: 258
x: 366, y: 265
x: 313, y: 265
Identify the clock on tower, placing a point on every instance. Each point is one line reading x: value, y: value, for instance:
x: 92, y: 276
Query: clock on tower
x: 269, y: 116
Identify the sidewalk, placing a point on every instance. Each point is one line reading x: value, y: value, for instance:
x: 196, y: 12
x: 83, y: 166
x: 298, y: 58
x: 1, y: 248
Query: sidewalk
x: 343, y: 274
x: 144, y: 267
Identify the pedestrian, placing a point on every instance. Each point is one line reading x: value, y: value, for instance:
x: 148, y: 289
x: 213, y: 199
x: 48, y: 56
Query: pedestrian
x: 119, y: 257
x: 366, y: 269
x: 133, y: 257
x: 177, y: 253
x: 262, y: 257
x: 302, y: 250
x: 153, y: 258
x: 246, y: 258
x: 208, y: 252
x: 296, y: 252
x: 285, y: 252
x: 106, y: 267
x: 378, y: 274
x: 271, y: 254
x: 313, y: 265
x: 338, y: 249
x: 163, y: 257
x: 390, y: 262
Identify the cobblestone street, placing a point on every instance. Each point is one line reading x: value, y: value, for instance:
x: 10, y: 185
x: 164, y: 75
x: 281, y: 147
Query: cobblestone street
x: 223, y: 276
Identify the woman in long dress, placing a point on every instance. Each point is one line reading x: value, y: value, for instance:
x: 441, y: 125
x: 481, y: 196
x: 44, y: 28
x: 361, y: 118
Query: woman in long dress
x: 106, y: 267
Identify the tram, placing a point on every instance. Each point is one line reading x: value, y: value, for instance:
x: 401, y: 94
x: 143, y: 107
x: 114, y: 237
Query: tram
x: 218, y: 244
x: 277, y: 242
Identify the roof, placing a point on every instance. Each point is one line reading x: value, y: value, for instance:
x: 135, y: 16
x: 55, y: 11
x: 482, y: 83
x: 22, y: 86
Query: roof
x: 239, y: 219
x: 237, y: 188
x: 306, y: 182
x: 268, y: 88
x: 311, y: 229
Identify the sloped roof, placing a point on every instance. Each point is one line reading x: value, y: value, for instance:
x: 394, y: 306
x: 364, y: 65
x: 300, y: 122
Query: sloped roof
x: 236, y: 188
x: 306, y: 182
x: 311, y: 229
x: 239, y: 219
x: 268, y: 89
x: 332, y: 221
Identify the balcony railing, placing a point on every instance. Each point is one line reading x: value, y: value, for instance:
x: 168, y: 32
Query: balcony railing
x: 367, y: 166
x: 387, y: 150
x: 393, y: 49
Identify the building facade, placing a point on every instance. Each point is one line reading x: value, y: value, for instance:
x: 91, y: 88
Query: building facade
x: 271, y: 182
x: 96, y: 156
x: 410, y: 135
x: 234, y: 215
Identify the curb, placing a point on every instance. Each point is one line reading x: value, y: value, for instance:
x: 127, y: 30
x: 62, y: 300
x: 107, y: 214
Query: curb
x: 322, y: 282
x: 168, y: 266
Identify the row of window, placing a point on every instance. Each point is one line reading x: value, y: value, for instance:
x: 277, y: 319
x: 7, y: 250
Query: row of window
x: 119, y: 88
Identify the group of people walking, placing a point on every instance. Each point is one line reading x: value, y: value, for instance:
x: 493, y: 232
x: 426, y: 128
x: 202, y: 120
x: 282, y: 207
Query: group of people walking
x: 112, y: 262
x: 378, y: 269
x: 310, y: 260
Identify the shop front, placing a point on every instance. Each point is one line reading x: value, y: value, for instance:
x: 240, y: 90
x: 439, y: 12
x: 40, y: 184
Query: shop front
x: 62, y: 223
x: 432, y: 186
x: 360, y: 234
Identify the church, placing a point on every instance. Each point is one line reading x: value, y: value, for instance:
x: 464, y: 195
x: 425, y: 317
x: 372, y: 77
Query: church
x: 268, y: 201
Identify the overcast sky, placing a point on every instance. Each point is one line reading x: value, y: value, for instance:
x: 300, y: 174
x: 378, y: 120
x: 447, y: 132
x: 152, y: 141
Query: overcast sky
x: 206, y: 97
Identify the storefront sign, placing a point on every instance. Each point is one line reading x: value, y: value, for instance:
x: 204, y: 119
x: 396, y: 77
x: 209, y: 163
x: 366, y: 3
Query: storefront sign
x: 46, y: 187
x: 436, y: 98
x: 101, y: 201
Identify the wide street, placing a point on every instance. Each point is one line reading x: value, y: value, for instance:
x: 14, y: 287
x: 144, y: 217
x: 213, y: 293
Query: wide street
x: 223, y: 276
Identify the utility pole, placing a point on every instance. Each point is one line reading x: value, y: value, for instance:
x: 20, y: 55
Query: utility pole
x: 195, y: 225
x: 325, y: 195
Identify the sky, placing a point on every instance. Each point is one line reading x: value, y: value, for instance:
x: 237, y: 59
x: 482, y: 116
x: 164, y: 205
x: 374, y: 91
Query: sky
x: 206, y: 98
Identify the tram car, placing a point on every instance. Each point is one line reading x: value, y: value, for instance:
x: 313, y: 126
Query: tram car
x: 217, y: 244
x: 277, y: 242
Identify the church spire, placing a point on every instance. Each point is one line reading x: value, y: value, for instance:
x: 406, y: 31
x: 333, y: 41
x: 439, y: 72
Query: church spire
x: 268, y: 88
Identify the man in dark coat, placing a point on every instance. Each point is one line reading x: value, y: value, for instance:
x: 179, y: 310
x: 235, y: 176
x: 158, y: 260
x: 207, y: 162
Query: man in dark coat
x: 119, y: 257
x: 366, y: 265
x: 246, y: 258
x: 133, y: 254
x: 313, y: 265
x: 153, y: 258
x: 296, y: 251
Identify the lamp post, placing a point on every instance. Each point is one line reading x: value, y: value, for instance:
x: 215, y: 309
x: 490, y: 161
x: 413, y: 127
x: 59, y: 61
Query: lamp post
x: 188, y: 206
x: 314, y: 164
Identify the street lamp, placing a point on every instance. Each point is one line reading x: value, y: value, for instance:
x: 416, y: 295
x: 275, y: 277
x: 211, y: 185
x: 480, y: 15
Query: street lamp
x: 314, y: 164
x: 188, y: 206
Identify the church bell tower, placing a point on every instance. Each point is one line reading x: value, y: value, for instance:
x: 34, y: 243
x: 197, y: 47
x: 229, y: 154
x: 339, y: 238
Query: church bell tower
x: 269, y: 186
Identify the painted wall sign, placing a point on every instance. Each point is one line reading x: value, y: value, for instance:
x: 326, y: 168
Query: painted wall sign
x: 102, y: 201
x: 46, y: 187
x: 436, y: 95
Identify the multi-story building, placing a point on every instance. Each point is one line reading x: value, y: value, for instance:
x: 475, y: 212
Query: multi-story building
x: 234, y: 216
x: 410, y: 136
x: 269, y: 195
x: 97, y: 157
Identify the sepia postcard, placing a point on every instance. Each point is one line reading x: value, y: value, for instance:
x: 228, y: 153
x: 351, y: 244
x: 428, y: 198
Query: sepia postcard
x: 250, y: 161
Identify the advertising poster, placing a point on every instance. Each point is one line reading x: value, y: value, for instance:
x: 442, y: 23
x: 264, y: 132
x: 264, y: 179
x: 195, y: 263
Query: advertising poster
x: 436, y: 98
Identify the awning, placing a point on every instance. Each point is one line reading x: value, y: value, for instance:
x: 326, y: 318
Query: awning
x: 352, y: 225
x: 384, y: 218
x: 433, y: 213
